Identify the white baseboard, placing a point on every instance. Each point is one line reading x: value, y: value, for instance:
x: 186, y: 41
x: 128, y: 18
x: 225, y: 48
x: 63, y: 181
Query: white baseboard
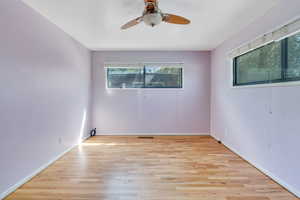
x: 85, y: 138
x: 36, y: 172
x: 266, y: 172
x: 153, y: 134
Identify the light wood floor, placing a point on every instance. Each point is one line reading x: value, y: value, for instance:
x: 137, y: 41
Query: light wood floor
x: 165, y: 168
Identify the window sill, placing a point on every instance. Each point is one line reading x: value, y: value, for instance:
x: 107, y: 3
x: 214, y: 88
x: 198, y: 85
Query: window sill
x: 266, y: 85
x: 145, y: 89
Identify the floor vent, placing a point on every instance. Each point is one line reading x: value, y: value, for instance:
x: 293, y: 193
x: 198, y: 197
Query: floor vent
x: 146, y: 137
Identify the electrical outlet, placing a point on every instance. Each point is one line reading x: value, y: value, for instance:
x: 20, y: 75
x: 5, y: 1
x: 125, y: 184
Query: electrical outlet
x: 60, y: 140
x: 270, y: 147
x: 226, y: 133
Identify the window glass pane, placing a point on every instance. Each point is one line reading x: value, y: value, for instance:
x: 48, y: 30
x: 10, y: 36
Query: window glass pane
x: 125, y: 77
x: 260, y: 65
x: 293, y: 70
x: 163, y: 77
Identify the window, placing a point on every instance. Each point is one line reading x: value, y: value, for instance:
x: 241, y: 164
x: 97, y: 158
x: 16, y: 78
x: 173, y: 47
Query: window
x: 293, y: 63
x: 129, y: 77
x: 273, y: 63
x: 147, y: 76
x: 163, y: 77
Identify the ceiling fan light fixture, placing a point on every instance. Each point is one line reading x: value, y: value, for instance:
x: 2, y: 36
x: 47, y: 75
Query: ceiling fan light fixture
x: 153, y: 19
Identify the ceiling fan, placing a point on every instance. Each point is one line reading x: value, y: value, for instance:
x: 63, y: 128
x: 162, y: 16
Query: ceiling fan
x: 153, y: 16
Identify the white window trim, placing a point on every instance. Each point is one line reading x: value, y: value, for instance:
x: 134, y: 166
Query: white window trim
x: 267, y: 85
x: 281, y: 32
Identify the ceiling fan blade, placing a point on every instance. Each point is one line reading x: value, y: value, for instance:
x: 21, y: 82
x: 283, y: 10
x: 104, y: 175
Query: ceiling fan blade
x: 132, y: 23
x: 174, y: 19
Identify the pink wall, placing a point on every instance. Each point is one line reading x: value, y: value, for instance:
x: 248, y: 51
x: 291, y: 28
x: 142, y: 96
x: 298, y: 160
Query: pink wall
x: 44, y: 92
x: 261, y: 124
x: 153, y: 111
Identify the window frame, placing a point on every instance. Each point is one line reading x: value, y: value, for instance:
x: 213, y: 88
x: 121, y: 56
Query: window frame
x: 143, y: 66
x: 283, y: 81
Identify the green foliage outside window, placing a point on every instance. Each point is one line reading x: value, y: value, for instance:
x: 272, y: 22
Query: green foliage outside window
x: 293, y: 70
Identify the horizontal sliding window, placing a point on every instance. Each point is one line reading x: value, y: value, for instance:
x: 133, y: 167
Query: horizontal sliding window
x: 273, y: 63
x: 145, y: 76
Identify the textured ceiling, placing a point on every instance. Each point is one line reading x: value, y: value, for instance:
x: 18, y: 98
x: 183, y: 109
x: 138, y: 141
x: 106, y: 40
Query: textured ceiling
x: 96, y: 23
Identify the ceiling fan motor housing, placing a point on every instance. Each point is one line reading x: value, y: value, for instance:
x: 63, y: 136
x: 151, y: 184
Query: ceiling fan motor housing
x: 153, y: 19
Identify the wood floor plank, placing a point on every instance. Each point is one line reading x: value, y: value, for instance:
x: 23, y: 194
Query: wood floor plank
x: 163, y: 168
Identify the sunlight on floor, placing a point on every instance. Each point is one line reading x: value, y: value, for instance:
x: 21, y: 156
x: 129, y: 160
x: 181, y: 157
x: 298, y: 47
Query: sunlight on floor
x: 99, y: 144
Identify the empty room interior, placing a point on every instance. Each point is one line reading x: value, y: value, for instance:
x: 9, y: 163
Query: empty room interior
x: 150, y: 100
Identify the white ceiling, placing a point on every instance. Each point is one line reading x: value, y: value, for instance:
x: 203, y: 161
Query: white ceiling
x: 96, y: 23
